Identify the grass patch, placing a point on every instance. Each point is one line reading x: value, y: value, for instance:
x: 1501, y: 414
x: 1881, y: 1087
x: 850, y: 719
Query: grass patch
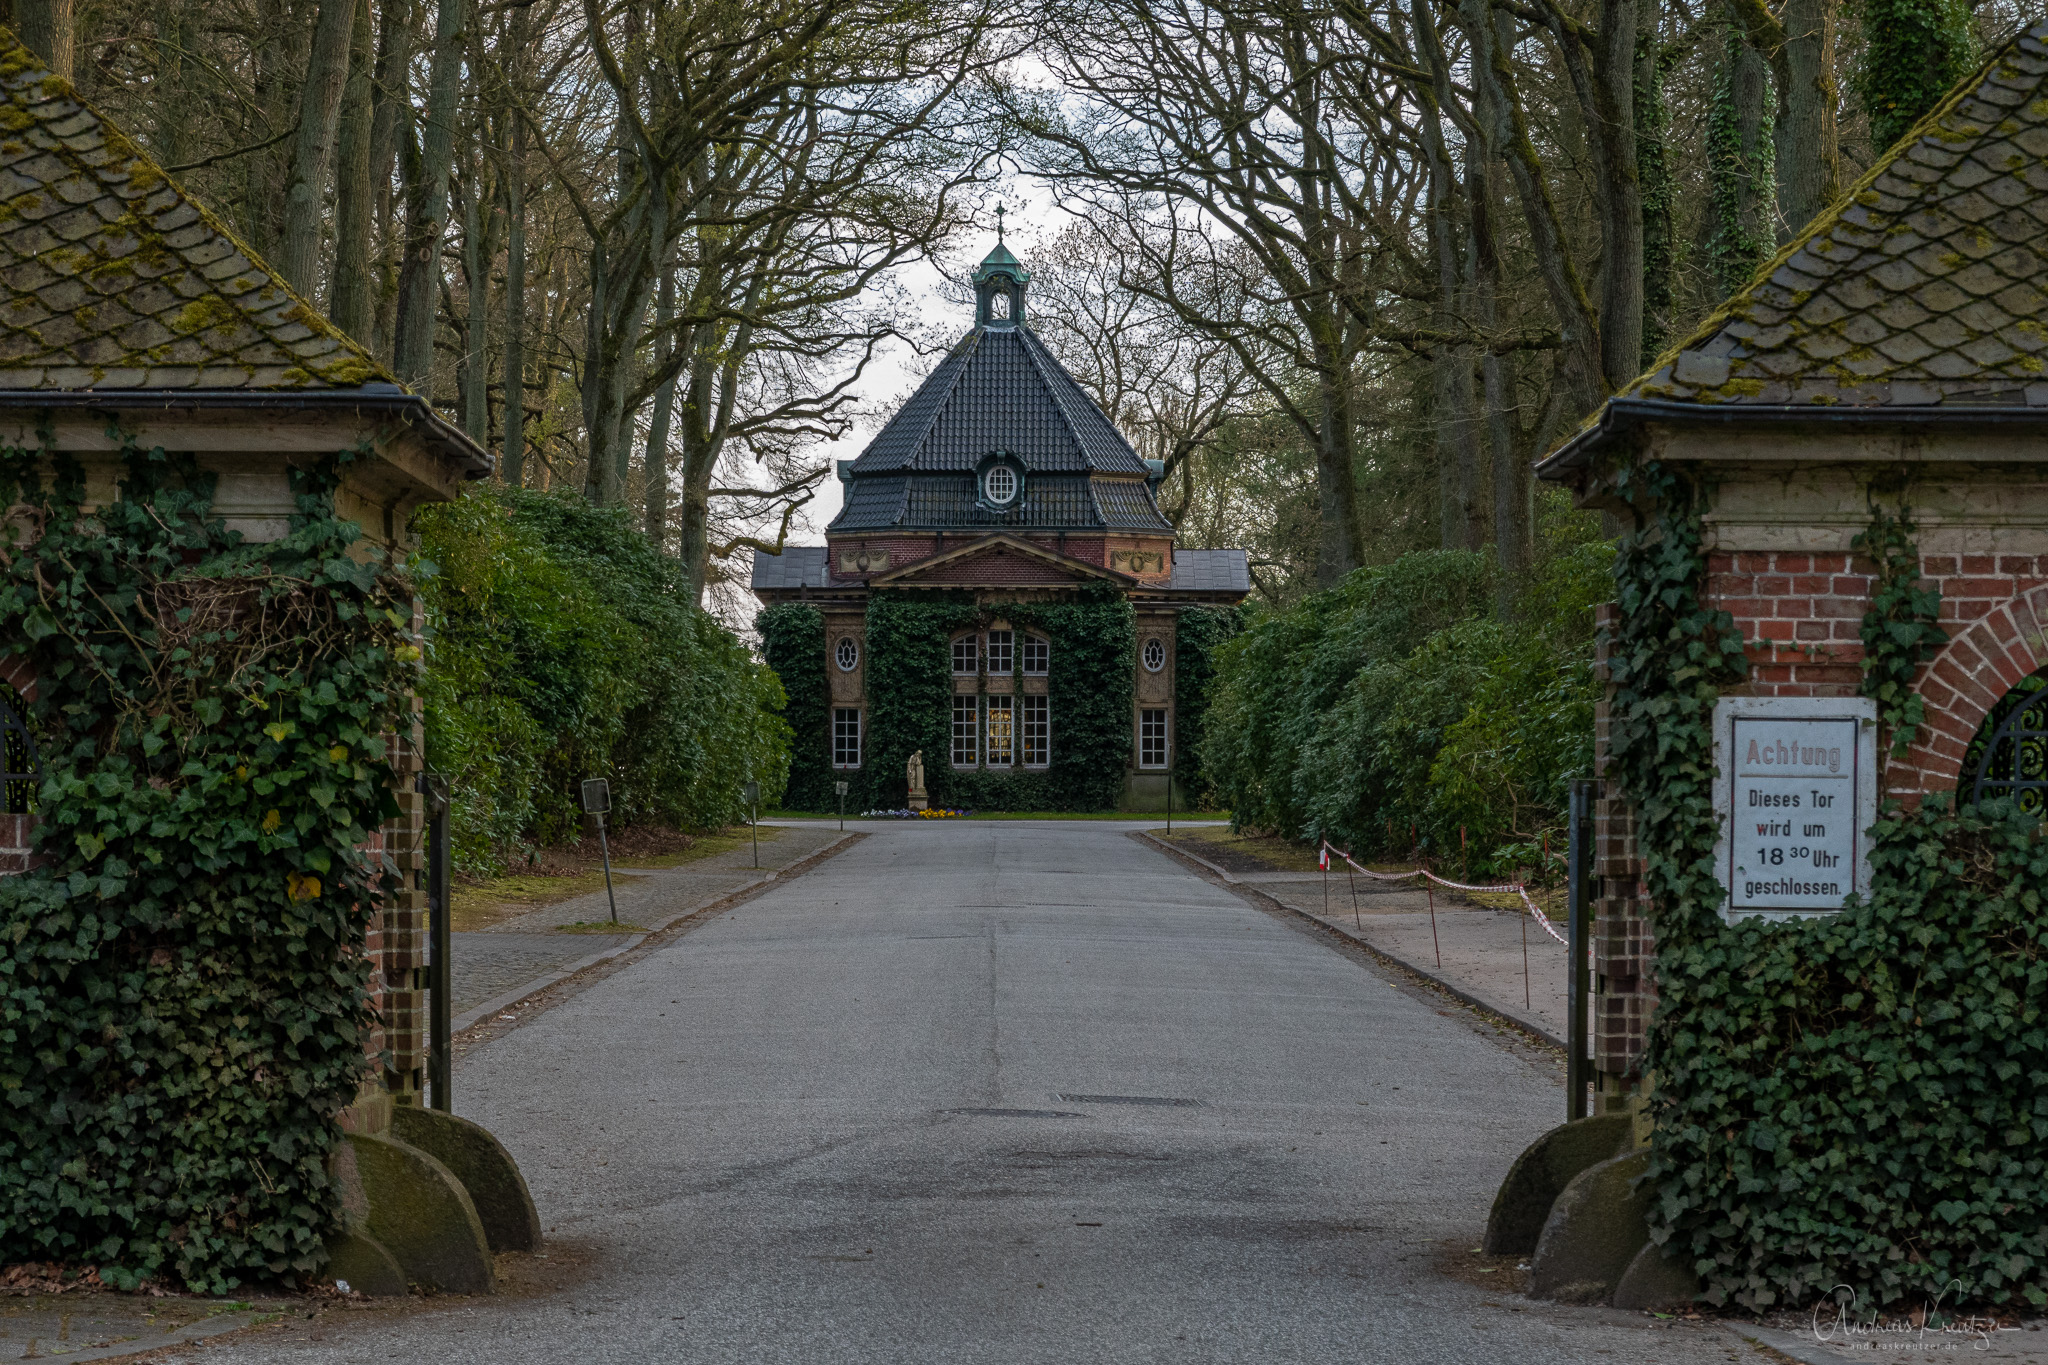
x: 708, y: 845
x: 487, y: 903
x: 1244, y: 852
x: 577, y: 870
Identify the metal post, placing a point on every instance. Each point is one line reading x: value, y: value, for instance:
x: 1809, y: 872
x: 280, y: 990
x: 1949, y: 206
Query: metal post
x: 840, y: 787
x: 440, y: 1013
x: 604, y: 847
x: 1352, y: 877
x: 754, y: 817
x: 1577, y: 1066
x: 1435, y: 942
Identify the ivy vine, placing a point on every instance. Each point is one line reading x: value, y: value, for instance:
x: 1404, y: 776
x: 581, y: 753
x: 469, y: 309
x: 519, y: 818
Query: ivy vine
x: 1901, y: 630
x: 1848, y: 1099
x: 184, y: 990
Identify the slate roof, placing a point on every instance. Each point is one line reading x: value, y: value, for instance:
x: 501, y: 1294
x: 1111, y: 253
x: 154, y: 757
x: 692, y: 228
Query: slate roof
x: 798, y: 566
x: 1211, y: 571
x: 1049, y: 502
x: 1924, y: 286
x: 111, y: 277
x: 999, y: 389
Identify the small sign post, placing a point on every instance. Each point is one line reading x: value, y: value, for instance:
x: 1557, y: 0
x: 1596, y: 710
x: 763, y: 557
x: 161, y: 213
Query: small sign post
x: 754, y: 817
x: 597, y: 801
x: 840, y: 787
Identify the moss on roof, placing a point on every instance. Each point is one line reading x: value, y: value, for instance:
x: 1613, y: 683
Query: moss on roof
x: 1927, y: 283
x: 111, y: 276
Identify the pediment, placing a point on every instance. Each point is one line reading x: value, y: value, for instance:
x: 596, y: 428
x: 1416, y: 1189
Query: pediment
x: 997, y: 561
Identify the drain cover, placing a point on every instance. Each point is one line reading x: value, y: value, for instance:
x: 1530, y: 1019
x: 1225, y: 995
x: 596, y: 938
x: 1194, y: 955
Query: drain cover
x: 1129, y: 1099
x: 1017, y: 1113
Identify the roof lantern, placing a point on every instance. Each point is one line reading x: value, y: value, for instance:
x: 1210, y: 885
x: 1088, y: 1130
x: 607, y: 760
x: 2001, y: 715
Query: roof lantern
x: 999, y: 285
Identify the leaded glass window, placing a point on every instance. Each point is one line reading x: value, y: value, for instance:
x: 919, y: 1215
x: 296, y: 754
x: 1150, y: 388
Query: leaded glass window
x: 966, y: 731
x: 846, y: 737
x: 1001, y: 744
x: 999, y: 656
x: 1037, y: 732
x: 966, y: 657
x: 1152, y: 738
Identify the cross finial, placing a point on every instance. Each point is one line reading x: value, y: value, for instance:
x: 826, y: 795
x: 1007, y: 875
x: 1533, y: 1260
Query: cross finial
x: 999, y: 224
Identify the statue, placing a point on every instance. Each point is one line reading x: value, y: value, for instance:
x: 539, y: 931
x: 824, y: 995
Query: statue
x: 914, y: 770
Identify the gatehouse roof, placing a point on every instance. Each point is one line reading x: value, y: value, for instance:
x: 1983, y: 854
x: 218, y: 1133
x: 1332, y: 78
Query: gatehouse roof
x: 112, y: 277
x: 1925, y: 287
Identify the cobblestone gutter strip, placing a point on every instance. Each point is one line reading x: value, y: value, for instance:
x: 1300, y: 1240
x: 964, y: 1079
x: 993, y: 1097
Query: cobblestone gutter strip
x: 481, y: 1024
x: 1252, y: 893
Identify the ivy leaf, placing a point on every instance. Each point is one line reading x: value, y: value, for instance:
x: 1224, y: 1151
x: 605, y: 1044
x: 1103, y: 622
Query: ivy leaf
x: 40, y: 623
x: 281, y: 731
x: 91, y: 845
x: 1952, y: 1210
x: 323, y: 796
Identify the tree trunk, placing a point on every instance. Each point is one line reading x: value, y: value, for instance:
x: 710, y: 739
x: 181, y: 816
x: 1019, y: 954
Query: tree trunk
x: 1337, y: 550
x: 654, y: 466
x: 49, y: 29
x: 298, y: 258
x: 514, y: 469
x: 390, y: 122
x: 173, y: 104
x: 1809, y: 149
x: 1741, y: 204
x: 1498, y: 106
x: 1660, y: 242
x: 427, y: 207
x: 349, y: 303
x: 1613, y: 135
x: 476, y: 269
x: 700, y: 460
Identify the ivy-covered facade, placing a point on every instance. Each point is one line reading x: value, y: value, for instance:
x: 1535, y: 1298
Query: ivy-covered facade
x: 1836, y: 498
x: 1001, y: 594
x: 215, y: 921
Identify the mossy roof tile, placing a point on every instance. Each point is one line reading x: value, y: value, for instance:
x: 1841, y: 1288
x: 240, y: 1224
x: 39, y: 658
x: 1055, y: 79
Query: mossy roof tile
x: 111, y: 277
x: 1933, y: 268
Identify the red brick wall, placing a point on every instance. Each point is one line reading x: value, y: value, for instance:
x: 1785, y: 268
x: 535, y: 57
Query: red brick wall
x: 1802, y: 614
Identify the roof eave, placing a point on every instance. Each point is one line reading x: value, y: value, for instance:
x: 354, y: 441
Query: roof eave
x: 441, y: 435
x: 1621, y: 419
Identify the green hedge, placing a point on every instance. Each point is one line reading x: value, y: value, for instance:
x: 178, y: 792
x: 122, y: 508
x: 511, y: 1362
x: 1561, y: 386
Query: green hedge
x: 1396, y: 709
x: 563, y: 646
x: 183, y: 988
x: 1198, y: 633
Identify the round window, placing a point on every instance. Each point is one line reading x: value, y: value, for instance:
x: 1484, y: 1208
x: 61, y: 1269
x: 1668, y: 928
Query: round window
x: 1000, y: 484
x: 1155, y: 656
x: 848, y: 654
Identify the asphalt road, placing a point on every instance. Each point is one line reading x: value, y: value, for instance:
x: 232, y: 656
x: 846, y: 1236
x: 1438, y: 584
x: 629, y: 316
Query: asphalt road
x: 1007, y: 1093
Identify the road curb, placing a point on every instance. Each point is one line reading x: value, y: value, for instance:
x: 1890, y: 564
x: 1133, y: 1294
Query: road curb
x: 1251, y: 892
x: 671, y: 927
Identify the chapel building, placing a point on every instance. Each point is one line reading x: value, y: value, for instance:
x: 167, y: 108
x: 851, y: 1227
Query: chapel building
x: 1000, y: 482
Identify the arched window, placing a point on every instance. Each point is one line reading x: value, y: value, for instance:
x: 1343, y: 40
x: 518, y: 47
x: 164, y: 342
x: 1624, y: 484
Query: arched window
x: 2009, y: 756
x: 23, y: 766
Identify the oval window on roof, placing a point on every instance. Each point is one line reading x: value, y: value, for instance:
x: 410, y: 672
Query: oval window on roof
x: 1000, y: 484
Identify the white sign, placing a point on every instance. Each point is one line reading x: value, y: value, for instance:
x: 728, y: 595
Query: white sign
x: 1795, y: 787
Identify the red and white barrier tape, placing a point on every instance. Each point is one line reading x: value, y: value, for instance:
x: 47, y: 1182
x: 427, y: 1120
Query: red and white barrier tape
x: 1517, y: 887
